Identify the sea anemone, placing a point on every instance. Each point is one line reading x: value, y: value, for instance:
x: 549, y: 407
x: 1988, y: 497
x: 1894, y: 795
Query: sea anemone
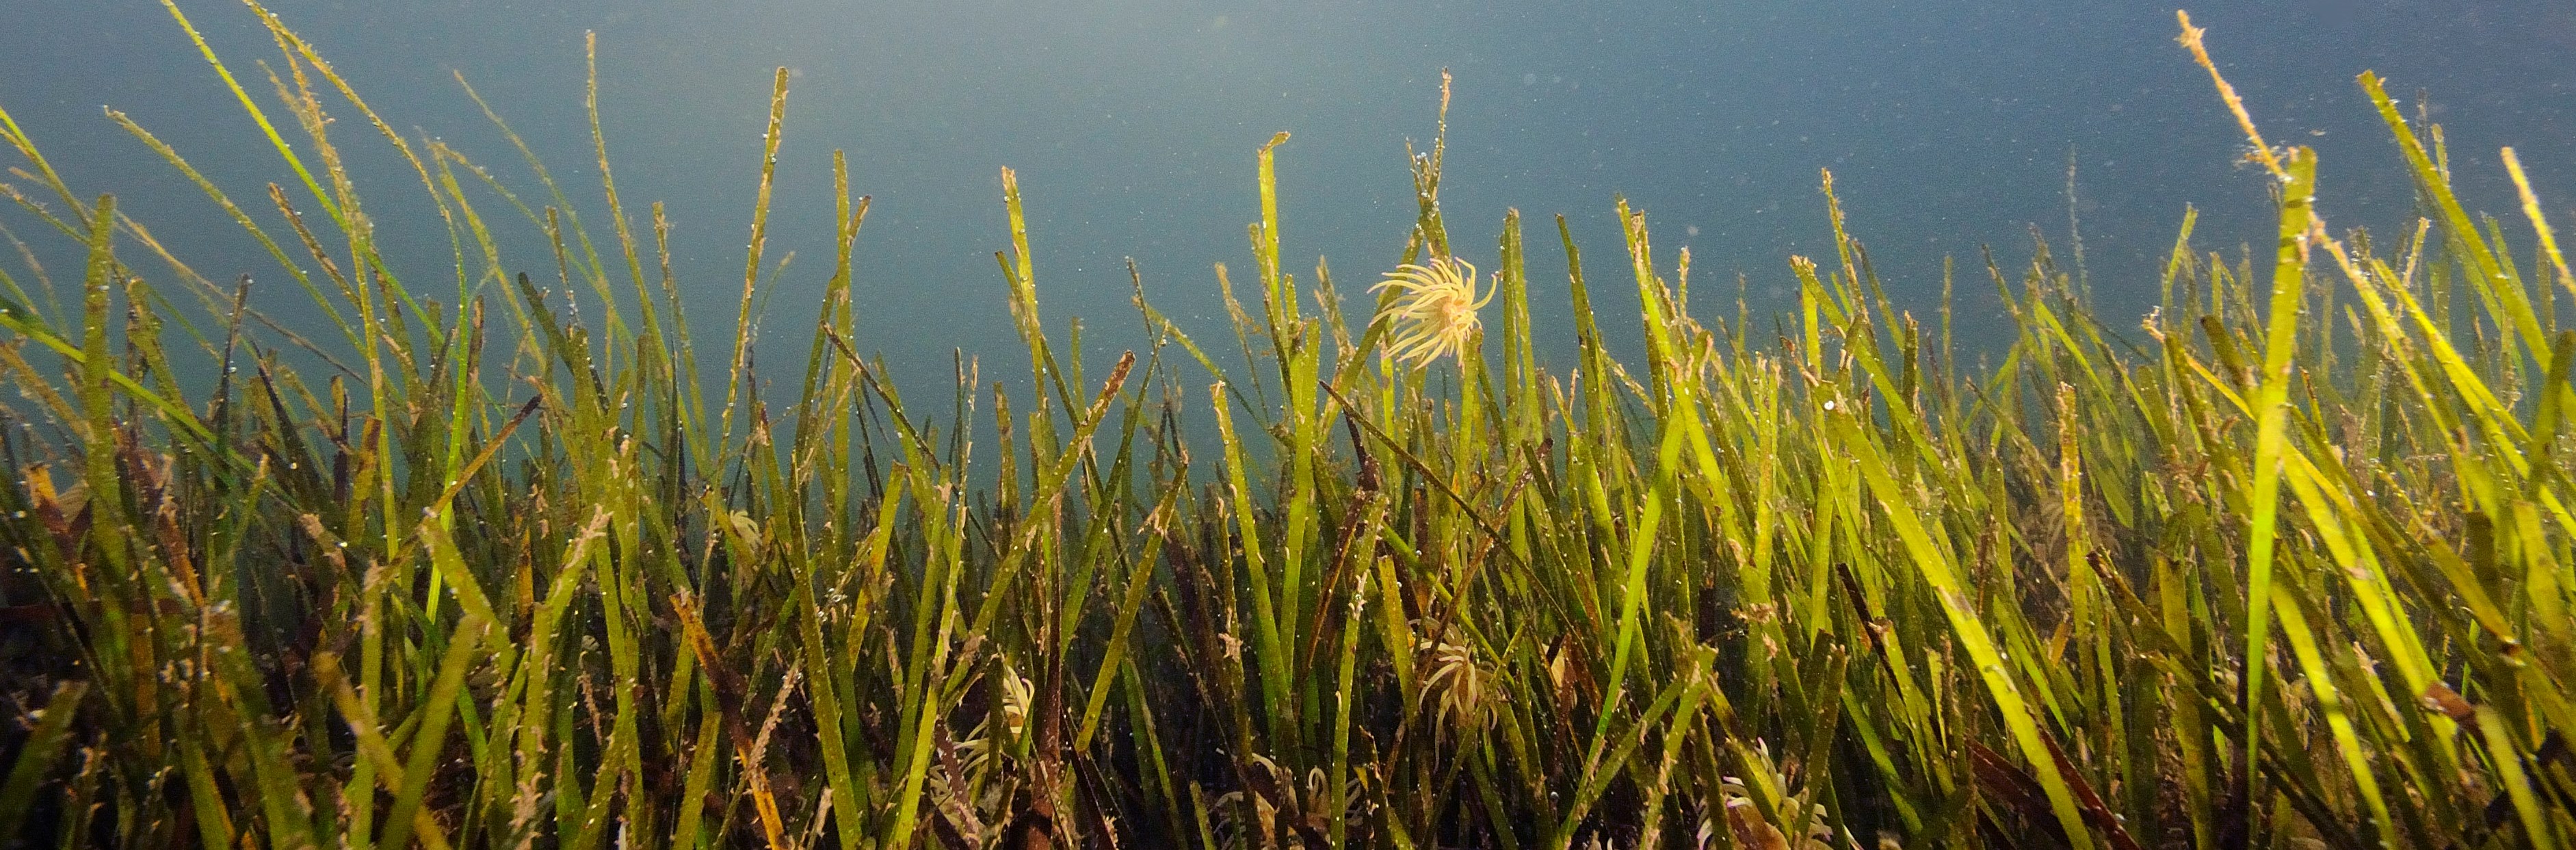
x: 1434, y: 310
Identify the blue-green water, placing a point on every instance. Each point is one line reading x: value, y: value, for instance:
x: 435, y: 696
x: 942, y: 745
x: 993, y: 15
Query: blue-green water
x: 1133, y: 124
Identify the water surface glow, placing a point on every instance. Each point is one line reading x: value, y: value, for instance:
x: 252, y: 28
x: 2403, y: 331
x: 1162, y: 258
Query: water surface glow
x: 1133, y: 124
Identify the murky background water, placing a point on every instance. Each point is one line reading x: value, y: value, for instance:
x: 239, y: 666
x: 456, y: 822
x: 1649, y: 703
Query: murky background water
x: 1949, y: 125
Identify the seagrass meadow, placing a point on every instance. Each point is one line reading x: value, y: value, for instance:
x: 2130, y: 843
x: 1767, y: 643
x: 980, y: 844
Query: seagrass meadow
x: 2285, y: 564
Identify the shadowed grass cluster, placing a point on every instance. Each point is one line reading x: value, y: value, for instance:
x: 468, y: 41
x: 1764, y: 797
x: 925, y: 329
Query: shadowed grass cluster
x: 2288, y: 564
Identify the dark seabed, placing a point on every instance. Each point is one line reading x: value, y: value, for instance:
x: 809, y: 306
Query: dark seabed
x: 1948, y: 126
